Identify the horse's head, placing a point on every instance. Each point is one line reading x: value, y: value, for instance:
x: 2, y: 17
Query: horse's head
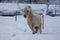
x: 27, y: 10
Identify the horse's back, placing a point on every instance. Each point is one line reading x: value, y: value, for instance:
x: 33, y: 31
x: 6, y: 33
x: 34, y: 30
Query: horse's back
x: 37, y: 19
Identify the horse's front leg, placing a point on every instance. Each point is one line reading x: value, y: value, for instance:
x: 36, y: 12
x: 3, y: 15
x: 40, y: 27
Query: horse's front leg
x: 35, y: 29
x: 32, y: 28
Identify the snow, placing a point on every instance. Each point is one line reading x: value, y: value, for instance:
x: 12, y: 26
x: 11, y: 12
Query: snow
x: 13, y: 7
x: 8, y: 8
x: 19, y: 30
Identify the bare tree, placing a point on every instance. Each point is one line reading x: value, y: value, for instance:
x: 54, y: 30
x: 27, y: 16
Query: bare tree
x: 16, y: 11
x: 0, y: 0
x: 47, y: 6
x: 30, y: 1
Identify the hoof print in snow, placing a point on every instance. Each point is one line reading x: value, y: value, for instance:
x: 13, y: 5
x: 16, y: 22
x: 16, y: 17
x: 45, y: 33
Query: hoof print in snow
x: 13, y: 35
x: 25, y: 30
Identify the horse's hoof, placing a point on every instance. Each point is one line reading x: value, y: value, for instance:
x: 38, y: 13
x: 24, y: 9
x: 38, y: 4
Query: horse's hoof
x: 33, y: 32
x: 40, y: 33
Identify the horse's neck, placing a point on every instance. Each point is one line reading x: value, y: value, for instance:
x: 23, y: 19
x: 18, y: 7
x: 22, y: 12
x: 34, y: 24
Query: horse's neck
x: 30, y: 16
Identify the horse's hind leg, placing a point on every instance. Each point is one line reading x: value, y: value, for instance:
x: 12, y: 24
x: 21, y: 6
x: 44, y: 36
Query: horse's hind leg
x: 40, y: 29
x: 42, y: 21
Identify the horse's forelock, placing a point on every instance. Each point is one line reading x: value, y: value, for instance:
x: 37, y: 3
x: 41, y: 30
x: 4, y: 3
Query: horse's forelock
x: 28, y: 9
x: 29, y: 6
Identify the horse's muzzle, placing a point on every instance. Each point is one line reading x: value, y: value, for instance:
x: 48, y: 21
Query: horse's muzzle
x: 24, y: 16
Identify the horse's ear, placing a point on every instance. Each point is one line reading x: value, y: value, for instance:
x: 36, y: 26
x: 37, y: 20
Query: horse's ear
x: 29, y: 6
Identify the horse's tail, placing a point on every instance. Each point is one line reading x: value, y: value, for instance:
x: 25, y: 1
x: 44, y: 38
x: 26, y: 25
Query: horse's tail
x: 42, y: 21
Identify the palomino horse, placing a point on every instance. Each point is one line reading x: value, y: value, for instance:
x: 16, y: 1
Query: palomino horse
x: 34, y: 20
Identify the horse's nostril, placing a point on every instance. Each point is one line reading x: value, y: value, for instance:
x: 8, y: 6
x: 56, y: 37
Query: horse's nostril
x: 24, y: 16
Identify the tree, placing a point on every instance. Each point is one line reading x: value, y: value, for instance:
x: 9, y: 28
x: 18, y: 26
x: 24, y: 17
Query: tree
x: 16, y: 11
x: 30, y: 1
x: 36, y: 1
x: 47, y: 6
x: 0, y: 0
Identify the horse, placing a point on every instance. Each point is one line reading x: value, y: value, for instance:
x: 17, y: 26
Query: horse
x: 33, y: 20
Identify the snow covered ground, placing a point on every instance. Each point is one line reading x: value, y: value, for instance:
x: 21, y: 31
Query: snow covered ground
x: 19, y: 30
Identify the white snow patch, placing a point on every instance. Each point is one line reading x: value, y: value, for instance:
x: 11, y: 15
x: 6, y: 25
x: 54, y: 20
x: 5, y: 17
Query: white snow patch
x: 19, y: 30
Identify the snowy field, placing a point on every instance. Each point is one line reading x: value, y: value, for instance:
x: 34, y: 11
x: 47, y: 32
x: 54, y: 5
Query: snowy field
x: 19, y: 30
x: 13, y: 7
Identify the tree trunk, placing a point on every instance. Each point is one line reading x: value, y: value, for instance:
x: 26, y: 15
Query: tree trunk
x: 47, y: 6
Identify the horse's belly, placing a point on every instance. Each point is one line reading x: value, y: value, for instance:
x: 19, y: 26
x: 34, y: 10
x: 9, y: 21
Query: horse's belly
x: 37, y: 20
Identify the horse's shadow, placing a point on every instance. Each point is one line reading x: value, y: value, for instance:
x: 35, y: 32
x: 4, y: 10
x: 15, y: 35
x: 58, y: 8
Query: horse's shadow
x: 48, y: 33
